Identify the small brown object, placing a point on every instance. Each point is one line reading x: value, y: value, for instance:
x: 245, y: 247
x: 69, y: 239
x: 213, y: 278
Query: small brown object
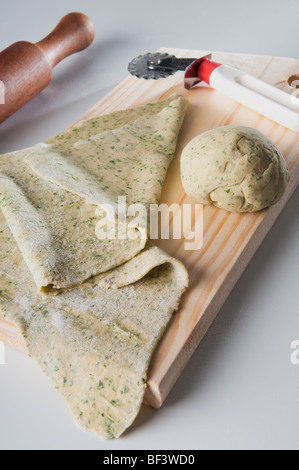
x: 26, y: 68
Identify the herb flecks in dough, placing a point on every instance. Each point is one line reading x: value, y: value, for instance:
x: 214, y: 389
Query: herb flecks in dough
x: 96, y: 337
x: 60, y: 184
x: 235, y: 168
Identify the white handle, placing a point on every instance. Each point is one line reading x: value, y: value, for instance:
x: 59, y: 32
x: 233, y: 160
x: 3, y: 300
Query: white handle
x: 266, y: 99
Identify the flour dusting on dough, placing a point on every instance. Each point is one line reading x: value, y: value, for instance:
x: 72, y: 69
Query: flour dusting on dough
x: 96, y: 337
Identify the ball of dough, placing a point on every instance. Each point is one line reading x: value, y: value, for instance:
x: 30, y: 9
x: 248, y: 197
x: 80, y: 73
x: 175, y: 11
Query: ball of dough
x: 235, y: 168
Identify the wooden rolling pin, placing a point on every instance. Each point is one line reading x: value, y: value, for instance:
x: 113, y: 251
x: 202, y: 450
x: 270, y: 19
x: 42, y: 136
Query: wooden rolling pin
x: 26, y: 68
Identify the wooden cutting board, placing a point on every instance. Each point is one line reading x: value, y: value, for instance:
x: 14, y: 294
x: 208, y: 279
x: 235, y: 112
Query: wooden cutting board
x: 229, y: 240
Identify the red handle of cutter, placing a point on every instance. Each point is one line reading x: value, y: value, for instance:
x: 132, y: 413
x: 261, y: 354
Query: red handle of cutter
x: 205, y: 70
x: 246, y: 89
x: 200, y: 70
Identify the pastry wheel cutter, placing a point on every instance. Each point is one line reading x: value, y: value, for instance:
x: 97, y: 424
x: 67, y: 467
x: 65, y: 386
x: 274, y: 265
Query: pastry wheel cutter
x: 276, y: 104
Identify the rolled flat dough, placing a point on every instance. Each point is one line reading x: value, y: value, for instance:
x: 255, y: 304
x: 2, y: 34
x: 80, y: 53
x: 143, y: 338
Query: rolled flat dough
x: 96, y: 336
x: 50, y: 193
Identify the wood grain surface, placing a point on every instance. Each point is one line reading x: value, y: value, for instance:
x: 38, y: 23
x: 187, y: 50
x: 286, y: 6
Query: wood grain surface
x: 229, y: 240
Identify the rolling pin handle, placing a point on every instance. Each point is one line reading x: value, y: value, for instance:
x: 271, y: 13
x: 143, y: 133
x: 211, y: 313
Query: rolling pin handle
x: 26, y: 68
x: 73, y: 33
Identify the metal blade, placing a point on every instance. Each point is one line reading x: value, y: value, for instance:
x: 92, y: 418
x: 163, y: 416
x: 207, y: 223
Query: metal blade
x: 157, y: 65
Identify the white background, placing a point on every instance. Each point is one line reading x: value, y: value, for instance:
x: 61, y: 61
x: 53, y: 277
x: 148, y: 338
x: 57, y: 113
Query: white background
x: 239, y: 390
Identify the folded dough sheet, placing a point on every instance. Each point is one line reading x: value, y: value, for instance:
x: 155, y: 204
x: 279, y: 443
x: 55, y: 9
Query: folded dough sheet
x: 91, y: 309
